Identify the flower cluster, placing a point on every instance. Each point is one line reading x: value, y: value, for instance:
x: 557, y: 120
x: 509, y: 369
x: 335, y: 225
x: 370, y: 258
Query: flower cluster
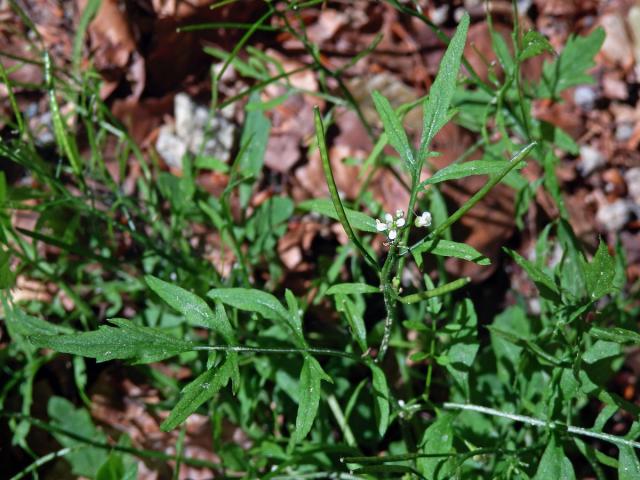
x: 392, y: 224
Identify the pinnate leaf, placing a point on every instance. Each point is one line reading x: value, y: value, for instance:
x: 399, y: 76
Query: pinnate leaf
x: 128, y: 341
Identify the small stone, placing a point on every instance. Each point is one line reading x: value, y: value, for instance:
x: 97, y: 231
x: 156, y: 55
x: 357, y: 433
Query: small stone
x: 170, y: 147
x: 590, y: 160
x: 613, y: 216
x: 632, y: 179
x: 624, y: 131
x: 183, y: 111
x: 585, y: 97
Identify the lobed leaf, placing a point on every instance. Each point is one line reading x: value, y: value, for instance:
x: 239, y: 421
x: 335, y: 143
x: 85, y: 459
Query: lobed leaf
x: 129, y: 341
x: 570, y: 67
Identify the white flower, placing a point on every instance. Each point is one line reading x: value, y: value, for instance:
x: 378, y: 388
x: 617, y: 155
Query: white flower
x: 423, y: 220
x: 391, y: 224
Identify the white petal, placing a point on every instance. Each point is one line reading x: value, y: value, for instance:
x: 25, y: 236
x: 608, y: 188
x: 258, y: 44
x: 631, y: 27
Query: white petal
x: 400, y: 222
x: 399, y: 213
x: 393, y: 234
x: 381, y: 227
x: 388, y: 217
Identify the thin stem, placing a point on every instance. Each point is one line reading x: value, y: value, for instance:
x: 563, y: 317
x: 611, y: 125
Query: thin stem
x: 45, y: 459
x: 195, y: 462
x: 435, y: 292
x: 269, y: 350
x: 535, y: 422
x: 333, y: 190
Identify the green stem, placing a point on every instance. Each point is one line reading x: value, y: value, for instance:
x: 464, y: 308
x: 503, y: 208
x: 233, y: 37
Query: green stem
x: 447, y: 288
x: 333, y: 190
x: 552, y: 425
x: 267, y: 350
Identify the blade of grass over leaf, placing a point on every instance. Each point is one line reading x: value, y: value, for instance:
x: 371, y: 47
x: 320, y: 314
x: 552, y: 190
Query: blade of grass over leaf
x: 333, y: 190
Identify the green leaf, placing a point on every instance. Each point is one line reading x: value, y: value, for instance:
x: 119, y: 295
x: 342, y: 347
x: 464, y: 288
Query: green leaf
x: 628, y: 465
x: 251, y: 300
x: 533, y: 44
x: 615, y: 334
x: 464, y: 345
x: 543, y: 282
x: 380, y: 398
x: 309, y: 397
x: 467, y: 169
x: 569, y: 68
x: 448, y: 248
x: 129, y: 341
x: 196, y: 311
x: 324, y: 206
x: 436, y: 108
x: 395, y: 131
x: 255, y: 135
x: 554, y: 464
x: 112, y: 468
x: 352, y: 289
x: 63, y: 414
x: 263, y: 303
x: 354, y: 317
x: 600, y: 273
x: 197, y: 392
x: 6, y: 276
x: 20, y: 323
x: 437, y: 439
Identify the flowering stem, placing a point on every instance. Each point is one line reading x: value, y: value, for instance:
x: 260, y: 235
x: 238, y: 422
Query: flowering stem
x: 333, y: 191
x: 390, y: 299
